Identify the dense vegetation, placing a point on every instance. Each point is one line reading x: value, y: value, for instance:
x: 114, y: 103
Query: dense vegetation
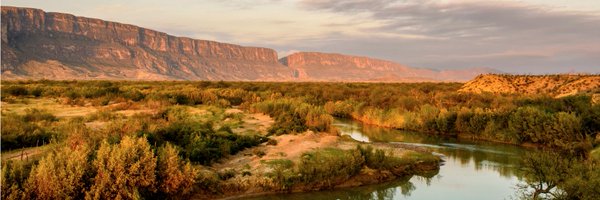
x: 323, y: 168
x: 169, y: 147
x: 555, y: 175
x: 435, y: 108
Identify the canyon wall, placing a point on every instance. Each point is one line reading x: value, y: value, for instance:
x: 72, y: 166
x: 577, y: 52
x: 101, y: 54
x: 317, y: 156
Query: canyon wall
x: 38, y: 44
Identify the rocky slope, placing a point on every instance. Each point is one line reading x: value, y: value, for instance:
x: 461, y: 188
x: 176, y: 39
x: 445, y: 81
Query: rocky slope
x: 331, y: 66
x: 38, y: 44
x: 556, y: 85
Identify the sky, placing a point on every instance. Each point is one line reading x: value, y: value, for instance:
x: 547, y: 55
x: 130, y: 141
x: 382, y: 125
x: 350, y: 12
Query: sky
x: 514, y: 36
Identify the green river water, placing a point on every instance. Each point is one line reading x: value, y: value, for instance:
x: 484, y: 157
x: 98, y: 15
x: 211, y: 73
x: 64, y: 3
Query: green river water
x: 472, y: 170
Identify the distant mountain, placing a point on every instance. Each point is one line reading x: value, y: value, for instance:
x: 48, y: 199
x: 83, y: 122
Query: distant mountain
x: 556, y: 85
x: 337, y: 67
x: 38, y: 44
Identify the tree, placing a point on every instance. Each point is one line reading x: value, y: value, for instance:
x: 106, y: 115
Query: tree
x: 175, y: 176
x: 14, y: 176
x: 543, y: 173
x: 124, y: 170
x: 60, y: 175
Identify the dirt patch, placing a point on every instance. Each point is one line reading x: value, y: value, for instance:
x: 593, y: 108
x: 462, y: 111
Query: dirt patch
x: 26, y: 153
x: 256, y: 122
x: 129, y: 113
x: 288, y: 147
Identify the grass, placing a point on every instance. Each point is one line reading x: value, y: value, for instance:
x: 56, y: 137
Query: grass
x: 595, y: 153
x: 51, y: 105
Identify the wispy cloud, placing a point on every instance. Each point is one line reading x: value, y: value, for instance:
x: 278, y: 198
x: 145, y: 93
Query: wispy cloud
x: 476, y: 33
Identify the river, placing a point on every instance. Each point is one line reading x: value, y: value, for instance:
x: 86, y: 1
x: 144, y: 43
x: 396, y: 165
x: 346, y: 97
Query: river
x: 472, y: 169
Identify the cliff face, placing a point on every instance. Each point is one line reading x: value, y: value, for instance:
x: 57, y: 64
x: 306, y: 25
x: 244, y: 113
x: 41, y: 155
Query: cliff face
x: 37, y: 44
x: 556, y: 85
x: 331, y: 66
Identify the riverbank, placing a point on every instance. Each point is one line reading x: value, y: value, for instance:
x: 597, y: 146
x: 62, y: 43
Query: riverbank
x: 280, y: 168
x: 460, y: 135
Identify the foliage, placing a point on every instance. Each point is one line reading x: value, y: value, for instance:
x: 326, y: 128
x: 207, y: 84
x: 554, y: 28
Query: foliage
x: 60, y: 175
x: 175, y: 177
x: 123, y: 171
x: 552, y: 175
x: 26, y: 130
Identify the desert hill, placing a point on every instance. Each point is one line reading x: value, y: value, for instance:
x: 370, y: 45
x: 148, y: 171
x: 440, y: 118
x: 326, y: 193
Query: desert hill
x: 556, y: 85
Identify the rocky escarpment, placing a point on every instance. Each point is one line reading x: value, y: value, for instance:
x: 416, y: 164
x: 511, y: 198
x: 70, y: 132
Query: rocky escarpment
x: 338, y: 67
x: 556, y: 85
x: 37, y: 44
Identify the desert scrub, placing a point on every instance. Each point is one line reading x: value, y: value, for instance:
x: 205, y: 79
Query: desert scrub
x: 26, y: 130
x: 330, y: 166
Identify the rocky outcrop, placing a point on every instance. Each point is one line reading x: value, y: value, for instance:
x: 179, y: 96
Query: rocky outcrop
x: 331, y: 66
x: 556, y: 85
x: 36, y: 43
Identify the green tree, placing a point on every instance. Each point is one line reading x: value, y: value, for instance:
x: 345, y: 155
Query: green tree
x: 543, y: 173
x: 14, y: 176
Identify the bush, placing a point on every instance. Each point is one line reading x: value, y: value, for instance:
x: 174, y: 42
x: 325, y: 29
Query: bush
x: 124, y: 170
x: 20, y: 131
x: 14, y: 177
x: 322, y: 166
x: 60, y: 175
x: 175, y: 177
x: 15, y: 90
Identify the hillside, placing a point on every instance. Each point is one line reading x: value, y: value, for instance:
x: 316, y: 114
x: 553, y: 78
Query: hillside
x: 556, y: 85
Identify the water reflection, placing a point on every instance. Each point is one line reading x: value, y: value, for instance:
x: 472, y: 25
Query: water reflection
x: 390, y: 190
x: 472, y: 170
x: 481, y: 155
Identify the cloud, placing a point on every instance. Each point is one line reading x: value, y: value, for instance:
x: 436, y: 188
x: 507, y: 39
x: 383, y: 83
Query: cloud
x: 502, y: 34
x: 247, y: 4
x: 285, y: 53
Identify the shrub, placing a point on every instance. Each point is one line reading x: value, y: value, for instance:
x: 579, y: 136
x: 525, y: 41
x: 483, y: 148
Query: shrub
x: 124, y: 170
x: 259, y: 153
x: 14, y: 177
x: 175, y: 177
x: 19, y: 131
x: 15, y: 90
x: 60, y: 175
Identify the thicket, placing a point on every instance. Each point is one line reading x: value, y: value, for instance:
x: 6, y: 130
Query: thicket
x: 27, y: 130
x: 293, y: 115
x: 426, y: 107
x: 327, y: 167
x: 139, y: 157
x: 556, y: 175
x: 129, y: 169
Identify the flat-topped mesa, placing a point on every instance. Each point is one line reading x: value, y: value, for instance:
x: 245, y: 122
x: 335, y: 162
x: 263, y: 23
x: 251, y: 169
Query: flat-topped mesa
x: 37, y: 44
x: 20, y: 21
x: 332, y: 66
x: 308, y: 59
